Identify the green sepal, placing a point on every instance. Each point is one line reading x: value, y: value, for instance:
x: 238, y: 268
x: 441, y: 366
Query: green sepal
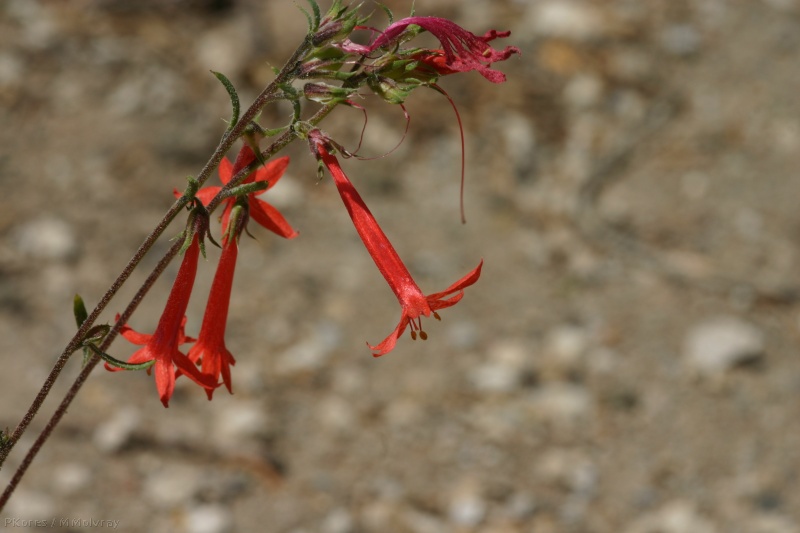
x: 5, y: 438
x: 247, y: 188
x: 96, y: 333
x: 191, y: 188
x: 116, y: 362
x: 311, y: 27
x: 317, y: 14
x: 79, y: 309
x: 297, y: 110
x: 273, y: 132
x: 386, y: 10
x: 234, y: 98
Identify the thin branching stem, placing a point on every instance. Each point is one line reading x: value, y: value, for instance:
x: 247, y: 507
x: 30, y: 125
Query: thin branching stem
x: 75, y: 343
x: 266, y: 96
x: 87, y: 369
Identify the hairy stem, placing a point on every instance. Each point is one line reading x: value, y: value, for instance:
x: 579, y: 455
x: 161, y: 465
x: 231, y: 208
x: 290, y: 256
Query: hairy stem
x: 81, y: 379
x: 75, y: 343
x: 285, y: 75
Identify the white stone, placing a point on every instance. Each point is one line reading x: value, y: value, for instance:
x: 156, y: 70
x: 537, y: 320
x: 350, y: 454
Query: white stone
x: 69, y: 478
x: 566, y: 346
x: 171, y: 485
x: 495, y: 377
x: 567, y: 19
x: 112, y: 435
x: 583, y: 91
x: 211, y: 518
x: 336, y: 413
x: 47, y: 238
x: 678, y: 516
x: 680, y: 40
x: 338, y: 521
x: 719, y: 344
x: 30, y: 505
x: 240, y: 420
x: 466, y: 507
x: 561, y: 403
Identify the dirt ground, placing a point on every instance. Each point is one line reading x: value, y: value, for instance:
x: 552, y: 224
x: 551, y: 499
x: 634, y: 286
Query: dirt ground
x: 628, y: 361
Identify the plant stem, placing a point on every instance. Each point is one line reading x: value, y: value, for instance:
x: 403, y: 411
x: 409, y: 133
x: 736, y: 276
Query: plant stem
x: 224, y: 145
x: 75, y: 343
x: 276, y: 146
x: 87, y: 369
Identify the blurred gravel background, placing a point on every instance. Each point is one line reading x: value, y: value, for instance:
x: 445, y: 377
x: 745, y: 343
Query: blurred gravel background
x: 627, y: 363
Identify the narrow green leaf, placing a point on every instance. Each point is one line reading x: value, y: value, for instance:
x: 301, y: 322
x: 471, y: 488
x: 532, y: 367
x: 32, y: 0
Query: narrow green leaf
x: 386, y: 10
x: 234, y: 98
x: 79, y: 309
x: 116, y: 362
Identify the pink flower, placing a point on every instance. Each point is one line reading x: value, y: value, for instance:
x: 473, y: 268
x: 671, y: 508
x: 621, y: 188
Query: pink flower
x: 463, y: 50
x: 210, y: 350
x: 413, y: 302
x: 260, y: 211
x: 162, y: 345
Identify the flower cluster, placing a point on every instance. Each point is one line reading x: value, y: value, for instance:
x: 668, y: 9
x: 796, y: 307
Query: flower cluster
x: 209, y: 351
x: 383, y: 67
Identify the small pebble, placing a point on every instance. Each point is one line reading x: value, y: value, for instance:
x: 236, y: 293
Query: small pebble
x: 576, y: 21
x: 680, y: 40
x: 338, y: 521
x: 717, y: 345
x: 69, y: 478
x: 561, y: 403
x: 210, y: 518
x: 47, y: 238
x: 31, y: 505
x: 112, y: 435
x: 171, y: 485
x: 679, y: 516
x: 467, y: 508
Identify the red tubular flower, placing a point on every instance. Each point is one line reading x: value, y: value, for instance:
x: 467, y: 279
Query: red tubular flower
x: 210, y: 350
x: 463, y: 50
x: 162, y: 345
x: 413, y: 302
x: 260, y: 211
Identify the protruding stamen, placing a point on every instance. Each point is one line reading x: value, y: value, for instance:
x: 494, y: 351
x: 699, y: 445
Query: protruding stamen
x: 413, y: 335
x: 423, y: 335
x: 436, y: 316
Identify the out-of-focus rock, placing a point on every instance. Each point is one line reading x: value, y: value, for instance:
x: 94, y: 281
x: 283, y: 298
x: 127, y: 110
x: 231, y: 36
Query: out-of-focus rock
x: 467, y: 508
x: 112, y: 435
x: 209, y: 518
x: 46, y: 238
x: 565, y: 19
x: 720, y: 344
x: 678, y: 516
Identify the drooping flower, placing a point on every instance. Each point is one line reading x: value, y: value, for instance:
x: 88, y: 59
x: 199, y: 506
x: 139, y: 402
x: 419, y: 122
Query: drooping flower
x: 463, y: 50
x: 260, y: 211
x: 210, y: 351
x: 413, y: 302
x: 162, y: 345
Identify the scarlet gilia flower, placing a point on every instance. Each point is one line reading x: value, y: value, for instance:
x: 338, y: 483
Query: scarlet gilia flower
x: 463, y: 50
x: 413, y: 302
x: 162, y: 345
x: 260, y: 211
x: 210, y: 351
